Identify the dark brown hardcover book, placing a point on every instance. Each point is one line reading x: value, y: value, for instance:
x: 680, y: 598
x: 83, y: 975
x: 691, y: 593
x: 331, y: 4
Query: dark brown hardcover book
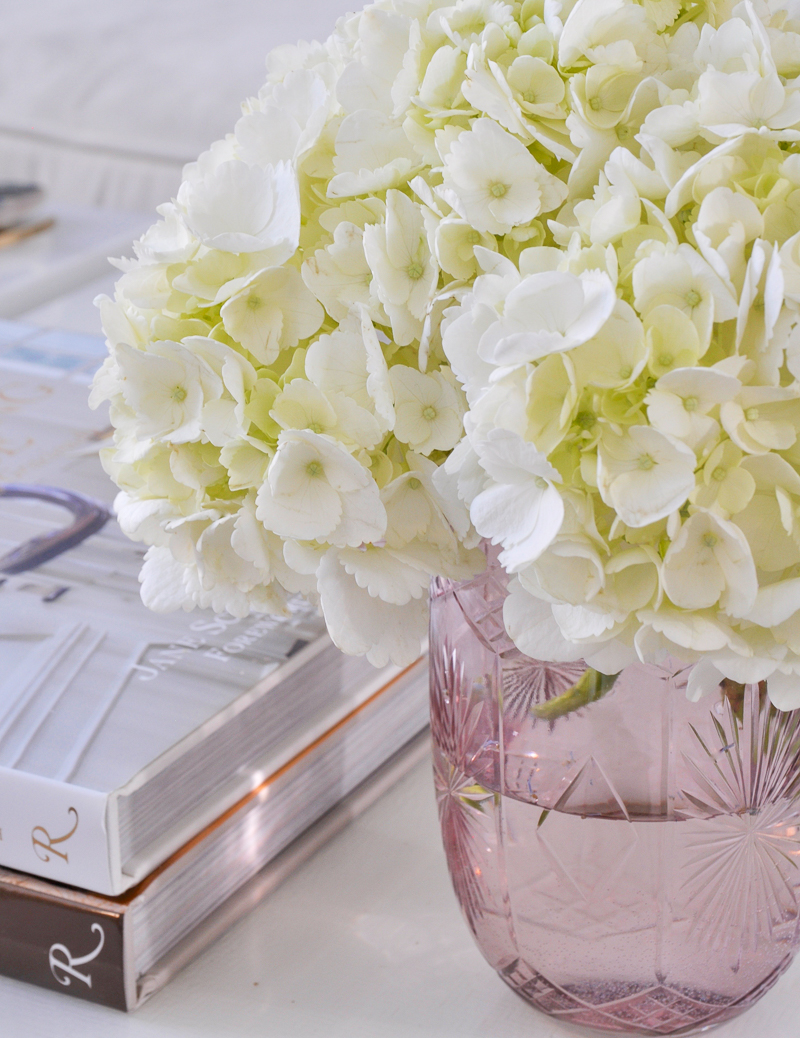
x: 62, y: 937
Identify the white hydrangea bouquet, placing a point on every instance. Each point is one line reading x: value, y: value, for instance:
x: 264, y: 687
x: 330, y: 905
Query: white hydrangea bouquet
x: 524, y: 271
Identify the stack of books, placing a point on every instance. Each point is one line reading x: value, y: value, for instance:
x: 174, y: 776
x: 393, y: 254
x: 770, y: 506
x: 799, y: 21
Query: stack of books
x: 158, y: 773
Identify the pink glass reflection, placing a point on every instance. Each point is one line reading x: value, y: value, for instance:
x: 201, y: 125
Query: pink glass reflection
x: 633, y: 867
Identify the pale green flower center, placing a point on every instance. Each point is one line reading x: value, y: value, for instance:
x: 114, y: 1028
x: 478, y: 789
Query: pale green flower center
x: 429, y: 413
x: 254, y: 302
x: 529, y: 97
x: 595, y: 104
x: 586, y: 419
x: 623, y: 133
x: 751, y: 414
x: 710, y: 539
x: 314, y: 427
x: 541, y: 482
x: 415, y: 270
x: 471, y: 26
x: 646, y: 462
x: 626, y: 372
x: 498, y: 190
x: 693, y: 297
x: 690, y: 403
x: 474, y: 237
x: 178, y: 394
x: 414, y: 483
x: 666, y: 360
x: 719, y: 473
x: 314, y: 469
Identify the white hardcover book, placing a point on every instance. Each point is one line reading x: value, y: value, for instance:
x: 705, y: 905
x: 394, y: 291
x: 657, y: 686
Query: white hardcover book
x: 122, y: 732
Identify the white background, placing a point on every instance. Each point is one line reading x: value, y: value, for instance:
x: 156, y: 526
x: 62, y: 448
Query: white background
x: 103, y: 101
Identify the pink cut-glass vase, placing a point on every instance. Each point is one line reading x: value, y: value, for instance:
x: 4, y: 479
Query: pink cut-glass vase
x: 630, y: 867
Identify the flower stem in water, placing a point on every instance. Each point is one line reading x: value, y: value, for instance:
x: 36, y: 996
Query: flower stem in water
x: 734, y: 692
x: 591, y: 686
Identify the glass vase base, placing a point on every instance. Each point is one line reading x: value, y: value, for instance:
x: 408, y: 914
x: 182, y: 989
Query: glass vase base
x: 607, y: 1008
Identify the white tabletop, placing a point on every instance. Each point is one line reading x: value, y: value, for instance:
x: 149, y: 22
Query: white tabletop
x: 364, y: 941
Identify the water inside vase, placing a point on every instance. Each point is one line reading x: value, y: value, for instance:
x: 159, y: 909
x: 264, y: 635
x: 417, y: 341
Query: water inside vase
x: 612, y: 923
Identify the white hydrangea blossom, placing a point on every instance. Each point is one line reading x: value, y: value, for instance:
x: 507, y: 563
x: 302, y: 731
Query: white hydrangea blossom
x: 513, y: 269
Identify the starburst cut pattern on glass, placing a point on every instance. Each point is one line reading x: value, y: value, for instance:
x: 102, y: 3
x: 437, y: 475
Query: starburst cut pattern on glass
x: 743, y: 863
x: 461, y: 802
x: 527, y: 682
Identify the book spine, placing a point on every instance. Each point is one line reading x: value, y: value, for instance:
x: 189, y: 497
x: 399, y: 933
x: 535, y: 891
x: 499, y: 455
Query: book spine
x: 55, y: 830
x: 68, y: 946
